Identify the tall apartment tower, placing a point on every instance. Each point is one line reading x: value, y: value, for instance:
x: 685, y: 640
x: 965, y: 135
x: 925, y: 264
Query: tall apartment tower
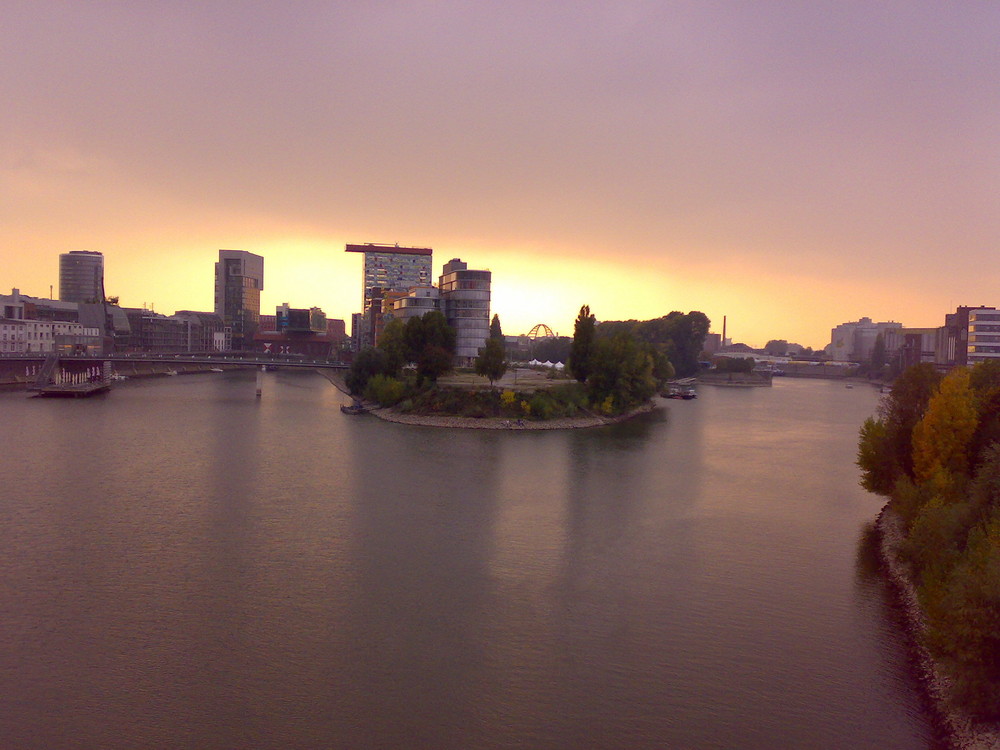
x: 81, y: 276
x: 392, y: 268
x: 465, y: 302
x: 239, y: 277
x: 388, y: 268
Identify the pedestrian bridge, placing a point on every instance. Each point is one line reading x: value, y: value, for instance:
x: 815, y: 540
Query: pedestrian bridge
x: 213, y: 360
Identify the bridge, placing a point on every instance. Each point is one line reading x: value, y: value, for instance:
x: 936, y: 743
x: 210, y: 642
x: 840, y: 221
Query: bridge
x: 248, y: 359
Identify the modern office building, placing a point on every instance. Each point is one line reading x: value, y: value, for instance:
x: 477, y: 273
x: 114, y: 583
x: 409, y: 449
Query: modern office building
x: 465, y: 302
x: 239, y: 278
x: 81, y: 276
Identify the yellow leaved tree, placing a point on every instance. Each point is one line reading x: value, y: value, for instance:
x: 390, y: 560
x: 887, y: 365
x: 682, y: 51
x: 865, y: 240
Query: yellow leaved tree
x: 941, y: 439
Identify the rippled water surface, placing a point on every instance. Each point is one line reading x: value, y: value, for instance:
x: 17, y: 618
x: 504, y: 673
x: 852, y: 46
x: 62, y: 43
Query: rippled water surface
x: 183, y: 566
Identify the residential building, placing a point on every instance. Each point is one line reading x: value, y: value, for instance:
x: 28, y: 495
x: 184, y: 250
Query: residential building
x: 983, y: 335
x: 239, y: 279
x: 465, y: 302
x: 391, y: 267
x: 81, y: 276
x: 204, y: 331
x: 45, y: 336
x: 387, y: 268
x: 13, y: 336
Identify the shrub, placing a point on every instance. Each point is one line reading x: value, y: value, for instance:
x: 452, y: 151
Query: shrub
x: 384, y: 390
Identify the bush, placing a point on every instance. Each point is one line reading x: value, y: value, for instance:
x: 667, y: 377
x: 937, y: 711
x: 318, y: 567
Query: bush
x: 384, y: 390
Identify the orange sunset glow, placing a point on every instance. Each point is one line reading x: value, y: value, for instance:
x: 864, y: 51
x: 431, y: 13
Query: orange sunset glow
x: 791, y: 167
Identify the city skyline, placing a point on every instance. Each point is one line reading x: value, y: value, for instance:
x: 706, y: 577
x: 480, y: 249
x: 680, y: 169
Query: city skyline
x: 791, y: 168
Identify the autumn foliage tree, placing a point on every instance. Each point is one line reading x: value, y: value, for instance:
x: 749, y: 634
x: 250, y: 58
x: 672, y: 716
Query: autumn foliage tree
x: 941, y: 439
x: 934, y: 449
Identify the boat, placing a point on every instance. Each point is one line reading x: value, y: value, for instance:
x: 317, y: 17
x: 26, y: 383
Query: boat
x: 215, y: 369
x: 74, y: 390
x: 678, y: 392
x: 355, y: 408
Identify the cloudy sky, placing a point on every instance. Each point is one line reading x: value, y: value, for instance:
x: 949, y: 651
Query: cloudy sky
x: 791, y: 165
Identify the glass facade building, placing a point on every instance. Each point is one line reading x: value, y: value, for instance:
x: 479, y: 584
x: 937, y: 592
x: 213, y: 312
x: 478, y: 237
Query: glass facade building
x: 81, y: 276
x: 239, y: 278
x: 465, y: 302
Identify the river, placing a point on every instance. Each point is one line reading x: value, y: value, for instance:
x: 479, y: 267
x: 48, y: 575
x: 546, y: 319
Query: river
x: 185, y: 566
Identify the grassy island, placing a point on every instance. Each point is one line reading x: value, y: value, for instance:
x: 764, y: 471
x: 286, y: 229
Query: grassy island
x: 933, y: 450
x: 614, y: 370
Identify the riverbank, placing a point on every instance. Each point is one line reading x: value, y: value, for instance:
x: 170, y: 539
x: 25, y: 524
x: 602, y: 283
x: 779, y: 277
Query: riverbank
x: 961, y: 730
x: 502, y: 423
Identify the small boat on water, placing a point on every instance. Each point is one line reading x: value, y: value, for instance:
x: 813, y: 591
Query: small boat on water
x: 685, y: 393
x: 356, y: 408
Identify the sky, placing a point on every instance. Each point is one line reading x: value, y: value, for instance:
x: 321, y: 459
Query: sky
x: 789, y: 165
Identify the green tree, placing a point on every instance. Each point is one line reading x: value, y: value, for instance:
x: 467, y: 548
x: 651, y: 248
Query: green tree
x: 426, y: 338
x: 621, y: 371
x: 434, y: 361
x: 878, y: 354
x: 584, y: 332
x: 877, y: 473
x: 885, y: 447
x: 942, y: 437
x: 393, y: 343
x: 495, y: 331
x: 776, y: 347
x: 367, y: 364
x: 491, y: 362
x: 903, y: 408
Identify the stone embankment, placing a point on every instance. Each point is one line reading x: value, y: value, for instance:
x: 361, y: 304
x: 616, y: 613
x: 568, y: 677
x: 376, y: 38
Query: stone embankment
x: 962, y: 732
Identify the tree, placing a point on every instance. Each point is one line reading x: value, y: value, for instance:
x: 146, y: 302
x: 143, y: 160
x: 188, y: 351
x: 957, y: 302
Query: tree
x: 425, y: 339
x: 942, y: 437
x: 878, y: 354
x: 903, y: 408
x: 584, y: 331
x: 680, y: 336
x: 434, y: 361
x: 491, y: 362
x: 495, y: 330
x: 621, y: 373
x: 369, y: 363
x: 776, y: 348
x: 393, y: 343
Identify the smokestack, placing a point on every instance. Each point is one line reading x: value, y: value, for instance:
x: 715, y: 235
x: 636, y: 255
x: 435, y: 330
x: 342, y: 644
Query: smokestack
x: 723, y: 330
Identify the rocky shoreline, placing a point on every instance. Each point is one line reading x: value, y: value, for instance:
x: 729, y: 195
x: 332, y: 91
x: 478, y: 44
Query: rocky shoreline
x: 502, y: 423
x: 961, y: 730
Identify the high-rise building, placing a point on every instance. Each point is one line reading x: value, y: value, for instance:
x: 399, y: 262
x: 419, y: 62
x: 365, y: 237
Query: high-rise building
x: 239, y: 277
x: 392, y: 268
x: 387, y: 268
x: 81, y: 276
x: 465, y: 302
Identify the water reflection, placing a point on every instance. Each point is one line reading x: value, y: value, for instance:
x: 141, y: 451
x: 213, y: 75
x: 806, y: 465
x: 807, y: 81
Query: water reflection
x: 210, y: 570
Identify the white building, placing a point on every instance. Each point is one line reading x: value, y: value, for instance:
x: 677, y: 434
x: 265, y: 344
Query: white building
x: 854, y: 341
x: 984, y: 335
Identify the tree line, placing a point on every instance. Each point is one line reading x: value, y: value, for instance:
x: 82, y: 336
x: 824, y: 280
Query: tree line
x: 933, y: 449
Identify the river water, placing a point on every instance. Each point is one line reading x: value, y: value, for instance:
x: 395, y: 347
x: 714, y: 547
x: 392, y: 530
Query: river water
x: 184, y: 566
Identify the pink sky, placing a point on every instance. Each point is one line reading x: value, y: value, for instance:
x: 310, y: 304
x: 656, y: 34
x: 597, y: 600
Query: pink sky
x: 790, y: 165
